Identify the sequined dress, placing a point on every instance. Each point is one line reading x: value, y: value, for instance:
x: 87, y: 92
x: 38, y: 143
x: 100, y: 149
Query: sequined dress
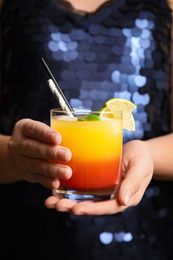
x: 121, y: 50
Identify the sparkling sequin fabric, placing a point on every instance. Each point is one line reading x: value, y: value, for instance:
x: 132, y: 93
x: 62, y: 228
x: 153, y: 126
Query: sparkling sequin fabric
x: 122, y: 50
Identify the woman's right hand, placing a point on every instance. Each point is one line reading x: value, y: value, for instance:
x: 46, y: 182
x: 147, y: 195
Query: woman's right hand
x: 32, y: 148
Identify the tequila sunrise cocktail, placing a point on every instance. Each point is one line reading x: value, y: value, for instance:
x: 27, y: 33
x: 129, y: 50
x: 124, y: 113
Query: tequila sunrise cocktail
x: 96, y: 146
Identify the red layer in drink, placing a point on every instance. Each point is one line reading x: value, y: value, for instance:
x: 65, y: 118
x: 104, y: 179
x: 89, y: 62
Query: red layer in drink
x: 93, y: 175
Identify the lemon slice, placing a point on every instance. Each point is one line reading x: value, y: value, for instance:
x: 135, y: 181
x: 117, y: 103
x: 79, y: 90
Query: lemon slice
x: 120, y: 104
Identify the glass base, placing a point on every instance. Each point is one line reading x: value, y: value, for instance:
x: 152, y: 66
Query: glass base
x: 86, y: 195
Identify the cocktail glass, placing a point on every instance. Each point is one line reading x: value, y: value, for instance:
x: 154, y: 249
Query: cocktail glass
x: 96, y: 148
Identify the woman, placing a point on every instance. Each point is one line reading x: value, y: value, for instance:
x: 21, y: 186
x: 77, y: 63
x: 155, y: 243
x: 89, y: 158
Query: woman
x: 97, y: 51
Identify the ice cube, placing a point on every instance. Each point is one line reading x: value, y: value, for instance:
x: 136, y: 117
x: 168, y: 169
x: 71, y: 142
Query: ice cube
x: 104, y: 118
x: 66, y: 118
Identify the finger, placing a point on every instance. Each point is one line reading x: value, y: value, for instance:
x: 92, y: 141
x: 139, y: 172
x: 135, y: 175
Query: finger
x: 98, y: 208
x: 51, y: 202
x: 50, y: 183
x: 65, y: 205
x: 36, y: 149
x: 47, y: 182
x: 47, y: 169
x: 40, y: 131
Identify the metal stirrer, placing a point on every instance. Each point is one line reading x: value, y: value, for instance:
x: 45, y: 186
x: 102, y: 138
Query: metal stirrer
x: 56, y: 90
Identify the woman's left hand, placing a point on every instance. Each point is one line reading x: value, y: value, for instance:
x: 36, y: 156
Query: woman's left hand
x: 137, y: 172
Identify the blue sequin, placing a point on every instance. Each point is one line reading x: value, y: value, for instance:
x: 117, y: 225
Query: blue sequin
x: 116, y: 76
x: 126, y: 32
x: 69, y: 56
x: 141, y: 23
x: 53, y: 46
x: 62, y: 46
x: 72, y: 45
x: 145, y: 34
x: 77, y: 34
x: 141, y: 99
x: 145, y: 43
x: 95, y: 29
x: 127, y: 237
x: 140, y: 81
x: 56, y: 36
x: 106, y: 238
x: 124, y: 94
x: 135, y: 42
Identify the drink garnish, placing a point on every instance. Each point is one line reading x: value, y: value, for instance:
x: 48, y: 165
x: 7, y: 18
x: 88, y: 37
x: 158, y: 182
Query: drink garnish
x: 80, y: 119
x: 90, y: 118
x: 93, y: 118
x: 120, y: 104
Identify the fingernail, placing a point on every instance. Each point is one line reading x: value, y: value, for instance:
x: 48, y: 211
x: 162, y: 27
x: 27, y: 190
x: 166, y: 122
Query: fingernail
x: 64, y: 172
x: 79, y: 213
x: 50, y: 207
x: 68, y: 173
x: 68, y: 156
x: 63, y: 155
x: 60, y: 154
x: 55, y: 137
x: 127, y: 198
x: 63, y: 210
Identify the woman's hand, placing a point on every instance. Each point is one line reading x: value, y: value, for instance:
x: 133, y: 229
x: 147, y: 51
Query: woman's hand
x: 32, y: 148
x: 137, y: 171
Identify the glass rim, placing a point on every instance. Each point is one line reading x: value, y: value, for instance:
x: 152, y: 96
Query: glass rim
x: 86, y: 111
x: 82, y: 110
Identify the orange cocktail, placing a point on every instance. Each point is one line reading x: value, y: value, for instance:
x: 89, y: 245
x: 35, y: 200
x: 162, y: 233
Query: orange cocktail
x: 96, y: 146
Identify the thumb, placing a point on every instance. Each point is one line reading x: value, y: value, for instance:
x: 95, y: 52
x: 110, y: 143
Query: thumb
x: 134, y: 184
